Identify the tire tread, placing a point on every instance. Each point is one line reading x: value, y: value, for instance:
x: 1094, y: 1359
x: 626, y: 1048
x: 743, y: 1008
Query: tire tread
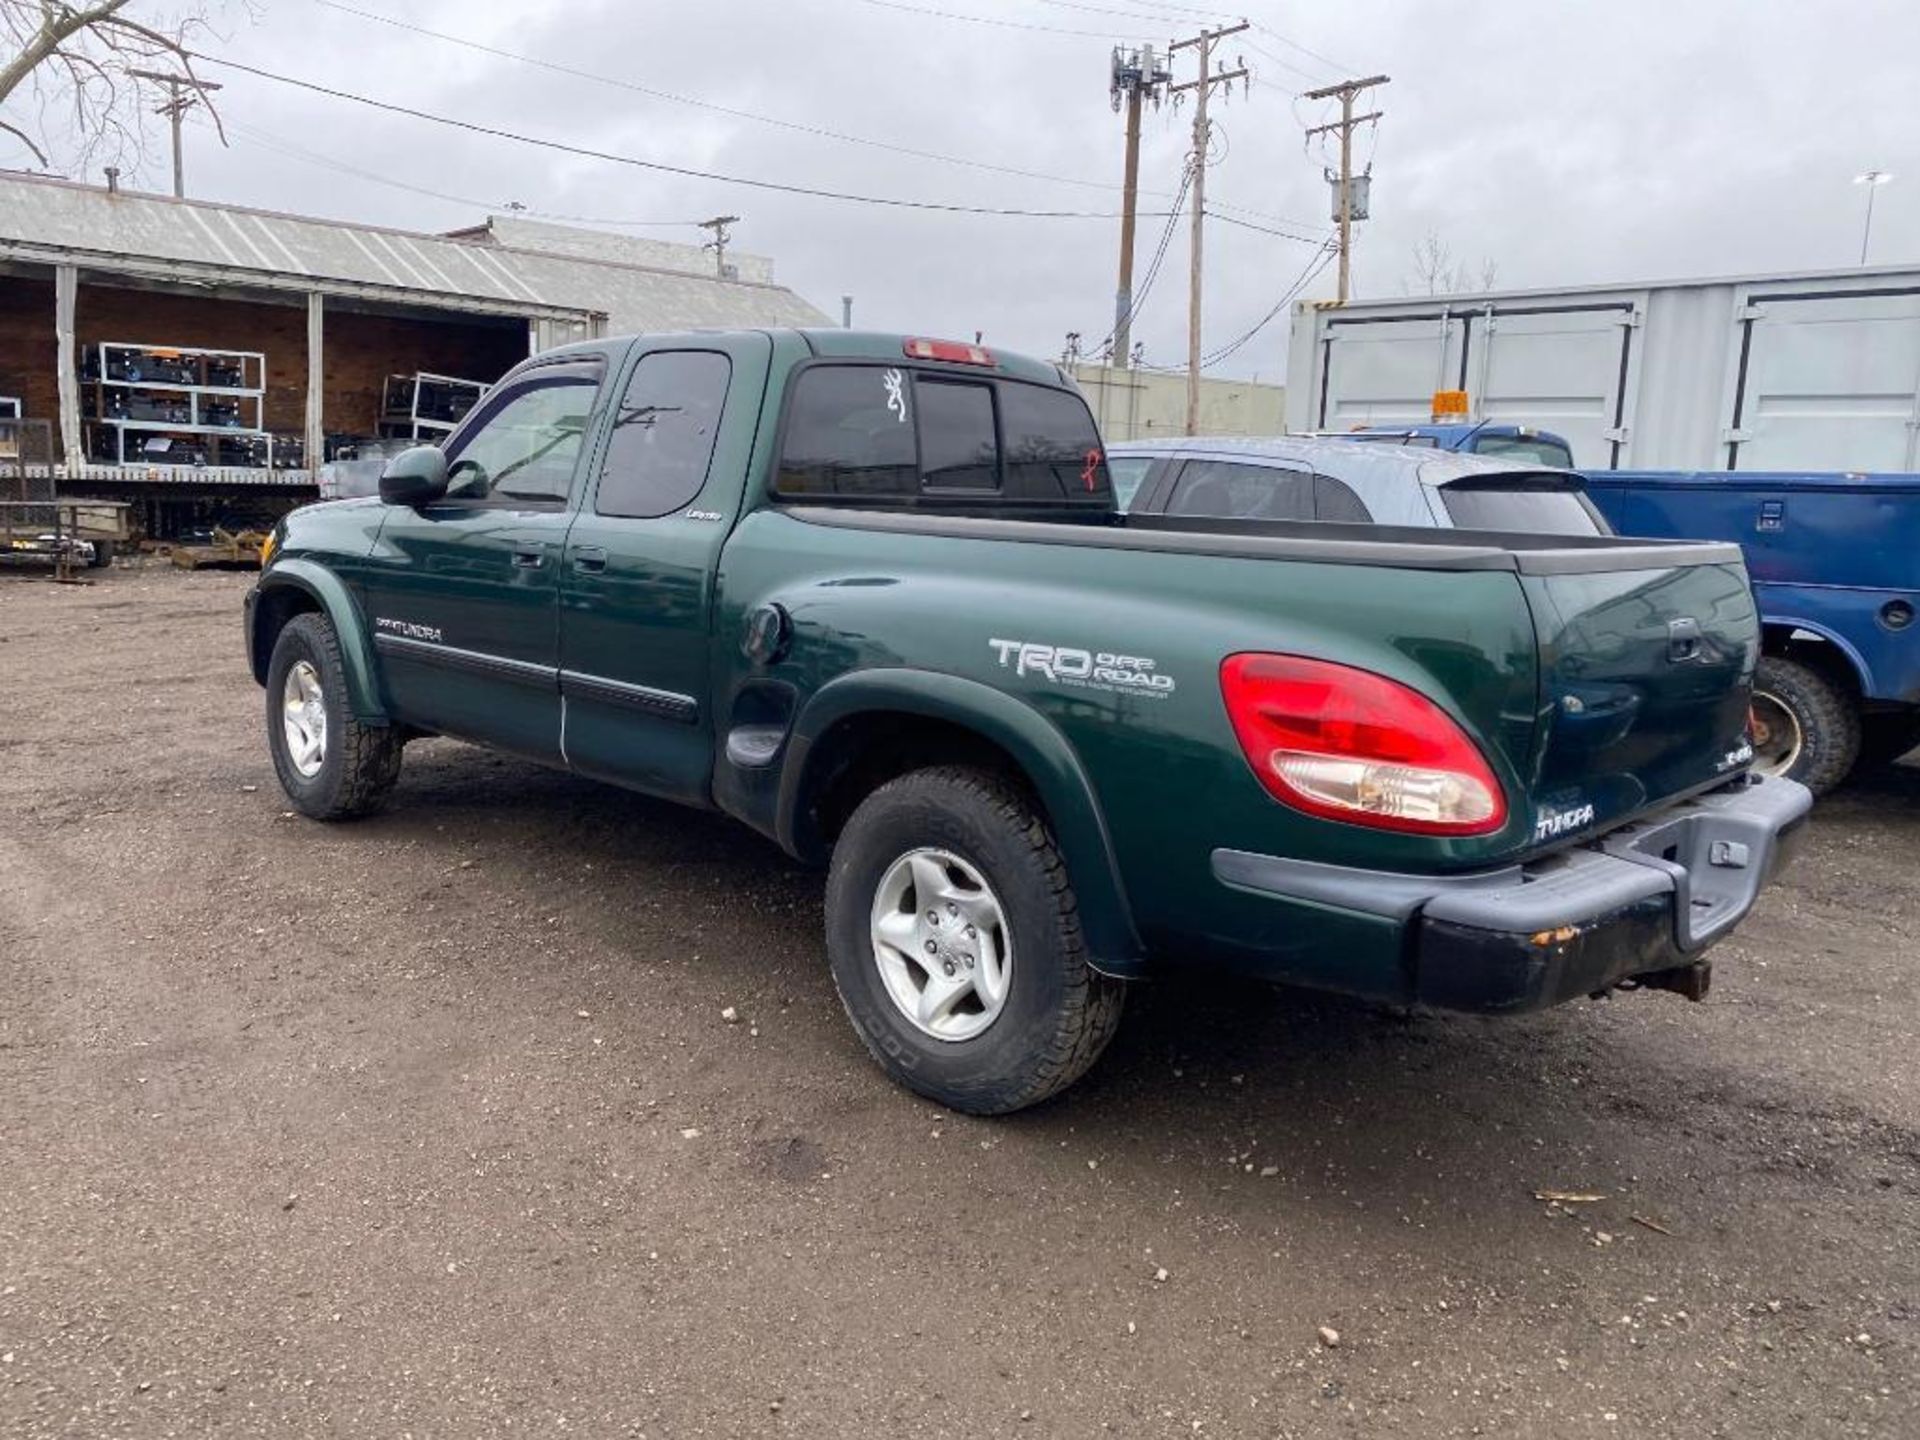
x: 370, y: 755
x: 1091, y: 1013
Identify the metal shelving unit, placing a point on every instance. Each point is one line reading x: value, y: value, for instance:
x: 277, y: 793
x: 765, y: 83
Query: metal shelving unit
x: 425, y: 407
x: 176, y: 400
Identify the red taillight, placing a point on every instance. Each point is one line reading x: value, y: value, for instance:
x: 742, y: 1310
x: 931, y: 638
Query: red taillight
x: 1350, y: 745
x: 949, y: 350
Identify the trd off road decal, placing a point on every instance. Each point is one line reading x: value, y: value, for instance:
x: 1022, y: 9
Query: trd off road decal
x: 896, y: 393
x: 408, y: 629
x: 1084, y: 669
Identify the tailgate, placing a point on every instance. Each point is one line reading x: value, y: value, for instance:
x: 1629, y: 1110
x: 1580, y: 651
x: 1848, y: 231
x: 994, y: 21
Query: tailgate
x: 1644, y: 679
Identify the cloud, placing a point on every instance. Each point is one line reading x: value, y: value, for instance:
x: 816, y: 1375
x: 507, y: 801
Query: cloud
x: 1566, y: 142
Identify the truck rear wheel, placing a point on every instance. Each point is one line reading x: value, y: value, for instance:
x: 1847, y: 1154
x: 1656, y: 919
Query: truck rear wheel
x: 956, y: 946
x: 331, y: 765
x: 102, y: 554
x: 1805, y: 726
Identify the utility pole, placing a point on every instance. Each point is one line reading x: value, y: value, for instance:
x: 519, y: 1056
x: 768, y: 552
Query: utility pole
x: 718, y: 225
x: 1346, y: 92
x: 1202, y: 86
x: 1137, y: 75
x: 1873, y: 180
x: 182, y: 95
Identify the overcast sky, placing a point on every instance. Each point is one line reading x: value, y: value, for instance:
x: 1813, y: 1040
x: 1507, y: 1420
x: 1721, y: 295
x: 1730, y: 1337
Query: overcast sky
x: 1560, y: 142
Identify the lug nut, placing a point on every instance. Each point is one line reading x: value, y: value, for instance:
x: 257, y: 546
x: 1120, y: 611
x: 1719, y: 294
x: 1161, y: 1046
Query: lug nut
x: 953, y: 909
x: 933, y: 917
x: 971, y: 932
x: 932, y: 949
x: 948, y: 967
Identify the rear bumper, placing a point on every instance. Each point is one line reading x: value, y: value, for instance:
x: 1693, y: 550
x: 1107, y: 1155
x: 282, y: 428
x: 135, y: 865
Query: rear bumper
x: 1645, y: 899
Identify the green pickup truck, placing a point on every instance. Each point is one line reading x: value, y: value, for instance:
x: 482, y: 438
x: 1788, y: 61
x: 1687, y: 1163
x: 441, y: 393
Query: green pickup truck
x: 871, y: 596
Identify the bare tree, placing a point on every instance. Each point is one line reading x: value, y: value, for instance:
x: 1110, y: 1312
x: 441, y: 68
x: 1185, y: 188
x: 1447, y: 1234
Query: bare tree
x: 1437, y: 272
x: 73, y: 64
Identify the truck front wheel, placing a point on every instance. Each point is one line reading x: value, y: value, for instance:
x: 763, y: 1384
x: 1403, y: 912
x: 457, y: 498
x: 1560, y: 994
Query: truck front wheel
x: 331, y: 765
x: 956, y: 945
x: 1805, y: 726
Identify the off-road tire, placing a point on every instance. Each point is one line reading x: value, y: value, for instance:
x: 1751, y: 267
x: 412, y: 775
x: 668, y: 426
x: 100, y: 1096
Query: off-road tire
x: 1887, y: 738
x: 1829, y: 721
x: 1059, y: 1012
x: 102, y: 554
x: 361, y: 762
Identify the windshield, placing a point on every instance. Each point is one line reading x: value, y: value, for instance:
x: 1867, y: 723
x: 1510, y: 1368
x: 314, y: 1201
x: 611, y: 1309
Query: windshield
x: 1536, y: 449
x: 1522, y: 504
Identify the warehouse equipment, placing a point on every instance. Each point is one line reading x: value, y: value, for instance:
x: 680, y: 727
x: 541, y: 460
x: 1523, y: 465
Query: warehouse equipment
x: 425, y: 407
x: 180, y: 405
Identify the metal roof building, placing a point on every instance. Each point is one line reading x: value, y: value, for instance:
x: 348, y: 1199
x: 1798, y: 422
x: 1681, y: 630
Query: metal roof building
x: 76, y: 260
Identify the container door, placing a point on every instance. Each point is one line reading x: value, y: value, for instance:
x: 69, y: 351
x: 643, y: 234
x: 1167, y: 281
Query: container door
x: 1827, y: 382
x: 1564, y: 369
x: 636, y: 621
x: 1384, y: 372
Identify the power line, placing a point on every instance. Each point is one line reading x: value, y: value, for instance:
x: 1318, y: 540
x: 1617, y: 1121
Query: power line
x: 1314, y: 266
x: 1260, y: 25
x: 1213, y: 209
x: 660, y: 166
x: 1138, y: 299
x: 1003, y: 24
x: 657, y: 94
x: 796, y: 126
x: 282, y: 146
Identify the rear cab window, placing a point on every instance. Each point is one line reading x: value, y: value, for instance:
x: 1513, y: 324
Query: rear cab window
x: 903, y: 435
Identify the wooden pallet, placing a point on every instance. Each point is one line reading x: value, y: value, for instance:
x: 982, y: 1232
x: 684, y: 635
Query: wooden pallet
x: 230, y: 550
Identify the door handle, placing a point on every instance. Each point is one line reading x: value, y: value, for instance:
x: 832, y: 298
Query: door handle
x: 590, y: 557
x: 529, y: 557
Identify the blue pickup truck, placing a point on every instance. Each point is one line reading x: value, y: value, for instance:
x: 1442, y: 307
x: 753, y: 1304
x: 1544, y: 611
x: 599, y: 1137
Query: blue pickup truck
x: 1835, y: 560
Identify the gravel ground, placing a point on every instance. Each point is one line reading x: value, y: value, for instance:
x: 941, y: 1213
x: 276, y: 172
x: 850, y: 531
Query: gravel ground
x: 430, y: 1125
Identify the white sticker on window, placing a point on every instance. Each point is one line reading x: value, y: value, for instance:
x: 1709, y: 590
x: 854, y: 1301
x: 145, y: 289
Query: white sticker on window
x: 896, y: 393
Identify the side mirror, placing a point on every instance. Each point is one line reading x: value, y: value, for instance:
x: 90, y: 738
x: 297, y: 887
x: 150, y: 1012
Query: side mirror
x: 415, y: 477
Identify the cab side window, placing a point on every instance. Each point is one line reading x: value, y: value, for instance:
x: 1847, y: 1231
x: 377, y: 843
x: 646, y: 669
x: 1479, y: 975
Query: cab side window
x: 664, y: 433
x: 527, y: 444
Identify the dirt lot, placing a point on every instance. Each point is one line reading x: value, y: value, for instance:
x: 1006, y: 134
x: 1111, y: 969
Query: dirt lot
x: 430, y: 1125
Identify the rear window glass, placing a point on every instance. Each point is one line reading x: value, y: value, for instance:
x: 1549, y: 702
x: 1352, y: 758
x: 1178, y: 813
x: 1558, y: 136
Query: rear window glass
x: 1531, y: 448
x: 1526, y: 508
x: 1052, y: 450
x: 1221, y: 489
x: 957, y: 446
x: 850, y: 432
x: 895, y: 433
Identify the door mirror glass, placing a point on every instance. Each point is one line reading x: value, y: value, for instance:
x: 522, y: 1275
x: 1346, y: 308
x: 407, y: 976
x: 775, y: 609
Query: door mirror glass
x: 415, y: 477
